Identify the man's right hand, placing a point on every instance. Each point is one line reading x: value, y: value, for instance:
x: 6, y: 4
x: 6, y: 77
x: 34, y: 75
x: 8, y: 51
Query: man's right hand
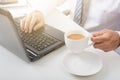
x: 106, y: 40
x: 32, y: 22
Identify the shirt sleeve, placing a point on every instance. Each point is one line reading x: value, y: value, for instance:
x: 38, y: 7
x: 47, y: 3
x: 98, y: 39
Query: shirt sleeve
x: 117, y: 50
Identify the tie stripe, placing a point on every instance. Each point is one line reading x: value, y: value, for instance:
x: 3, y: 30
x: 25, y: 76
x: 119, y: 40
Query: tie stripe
x: 78, y: 12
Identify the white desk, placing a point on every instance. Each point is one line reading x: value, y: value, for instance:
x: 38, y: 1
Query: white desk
x: 50, y: 66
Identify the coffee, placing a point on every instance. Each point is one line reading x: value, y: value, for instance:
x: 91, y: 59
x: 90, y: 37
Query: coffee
x: 75, y: 36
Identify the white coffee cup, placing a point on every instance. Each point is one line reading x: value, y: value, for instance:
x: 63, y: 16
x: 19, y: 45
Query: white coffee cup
x: 77, y: 46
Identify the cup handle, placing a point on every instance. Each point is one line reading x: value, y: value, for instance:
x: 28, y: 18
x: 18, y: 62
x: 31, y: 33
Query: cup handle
x: 90, y: 42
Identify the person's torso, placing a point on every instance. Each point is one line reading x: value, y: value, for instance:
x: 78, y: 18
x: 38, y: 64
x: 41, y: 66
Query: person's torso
x: 103, y: 14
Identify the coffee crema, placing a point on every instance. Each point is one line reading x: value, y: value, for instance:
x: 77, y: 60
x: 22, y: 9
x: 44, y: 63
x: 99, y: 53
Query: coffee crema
x: 75, y: 36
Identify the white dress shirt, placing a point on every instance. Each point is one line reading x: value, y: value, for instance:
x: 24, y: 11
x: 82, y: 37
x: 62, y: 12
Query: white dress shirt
x: 103, y: 13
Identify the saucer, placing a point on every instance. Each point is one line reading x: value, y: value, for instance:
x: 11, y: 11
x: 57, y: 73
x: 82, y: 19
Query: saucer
x: 83, y: 64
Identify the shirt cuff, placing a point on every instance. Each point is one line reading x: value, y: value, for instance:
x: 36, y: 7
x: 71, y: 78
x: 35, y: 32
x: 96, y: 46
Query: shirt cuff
x: 117, y: 50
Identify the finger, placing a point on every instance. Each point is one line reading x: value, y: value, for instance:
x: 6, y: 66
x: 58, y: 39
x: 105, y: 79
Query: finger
x: 32, y: 24
x: 102, y: 47
x: 36, y: 27
x: 98, y: 39
x: 106, y: 50
x: 22, y: 24
x: 99, y: 45
x: 27, y: 22
x: 97, y: 34
x: 102, y: 38
x: 39, y: 25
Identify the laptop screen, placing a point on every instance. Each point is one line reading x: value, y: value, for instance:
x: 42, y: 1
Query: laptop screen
x: 9, y: 37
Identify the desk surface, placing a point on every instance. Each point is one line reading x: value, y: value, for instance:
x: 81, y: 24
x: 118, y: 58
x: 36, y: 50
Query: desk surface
x: 50, y: 67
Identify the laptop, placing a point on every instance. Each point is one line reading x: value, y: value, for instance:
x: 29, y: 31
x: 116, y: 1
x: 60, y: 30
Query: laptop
x: 28, y: 46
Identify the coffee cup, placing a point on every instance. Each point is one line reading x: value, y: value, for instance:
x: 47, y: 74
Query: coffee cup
x: 76, y: 40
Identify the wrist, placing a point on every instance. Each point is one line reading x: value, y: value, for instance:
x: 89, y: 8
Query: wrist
x: 118, y: 38
x: 117, y: 50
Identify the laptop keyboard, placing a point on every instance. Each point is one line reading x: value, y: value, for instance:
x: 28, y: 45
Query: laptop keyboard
x: 38, y: 42
x: 37, y: 39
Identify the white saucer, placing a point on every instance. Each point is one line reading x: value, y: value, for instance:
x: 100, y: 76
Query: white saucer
x: 84, y: 64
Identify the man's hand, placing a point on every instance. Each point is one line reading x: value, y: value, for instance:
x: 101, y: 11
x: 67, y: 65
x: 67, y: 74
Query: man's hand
x: 32, y: 22
x: 106, y: 40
